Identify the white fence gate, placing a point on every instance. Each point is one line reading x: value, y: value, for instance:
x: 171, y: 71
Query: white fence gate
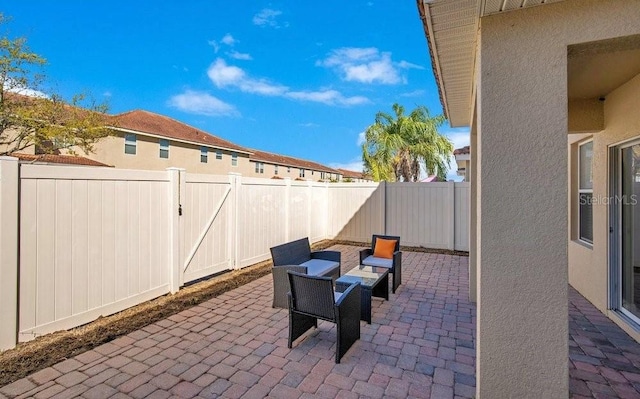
x: 83, y: 242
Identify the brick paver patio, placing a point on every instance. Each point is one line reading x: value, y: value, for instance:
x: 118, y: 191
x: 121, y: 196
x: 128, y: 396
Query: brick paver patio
x: 420, y: 344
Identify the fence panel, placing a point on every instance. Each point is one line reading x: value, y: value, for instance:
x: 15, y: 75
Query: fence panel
x: 318, y: 212
x: 261, y: 208
x: 355, y: 210
x: 420, y: 213
x: 93, y: 242
x: 206, y: 218
x: 299, y: 210
x: 462, y: 216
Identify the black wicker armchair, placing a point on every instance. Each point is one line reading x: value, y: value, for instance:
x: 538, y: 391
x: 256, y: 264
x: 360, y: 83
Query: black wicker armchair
x: 312, y: 298
x: 394, y: 264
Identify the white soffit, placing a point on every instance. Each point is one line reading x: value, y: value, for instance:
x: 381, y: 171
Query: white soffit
x: 452, y: 27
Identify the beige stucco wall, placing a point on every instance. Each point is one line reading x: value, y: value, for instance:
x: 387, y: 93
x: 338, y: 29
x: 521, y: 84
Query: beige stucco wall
x: 110, y: 150
x: 522, y: 190
x: 589, y: 266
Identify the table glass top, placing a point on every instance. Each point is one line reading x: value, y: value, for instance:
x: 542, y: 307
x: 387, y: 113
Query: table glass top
x: 365, y: 275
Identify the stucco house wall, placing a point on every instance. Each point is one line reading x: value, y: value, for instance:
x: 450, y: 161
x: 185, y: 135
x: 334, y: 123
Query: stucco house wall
x: 522, y: 250
x: 110, y: 150
x: 589, y: 266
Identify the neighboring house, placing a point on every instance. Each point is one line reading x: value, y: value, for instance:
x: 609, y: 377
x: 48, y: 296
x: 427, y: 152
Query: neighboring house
x: 431, y: 179
x: 463, y: 159
x: 358, y: 177
x: 551, y: 91
x: 269, y: 165
x: 145, y: 140
x: 54, y: 159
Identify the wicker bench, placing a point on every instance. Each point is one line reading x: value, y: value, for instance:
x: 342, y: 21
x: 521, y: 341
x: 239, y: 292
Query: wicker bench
x: 298, y: 257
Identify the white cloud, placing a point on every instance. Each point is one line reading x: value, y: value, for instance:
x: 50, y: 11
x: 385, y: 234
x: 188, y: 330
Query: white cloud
x: 239, y: 56
x: 14, y: 86
x: 366, y: 65
x: 408, y: 65
x: 308, y: 124
x: 329, y: 97
x: 267, y: 17
x: 201, y: 103
x: 223, y: 75
x: 229, y: 76
x: 361, y: 139
x: 415, y: 93
x: 460, y: 137
x: 355, y: 165
x: 228, y: 40
x: 215, y: 45
x: 107, y: 94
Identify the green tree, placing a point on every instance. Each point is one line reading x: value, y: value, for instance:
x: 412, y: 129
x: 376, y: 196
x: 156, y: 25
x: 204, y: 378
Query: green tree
x: 396, y: 146
x: 31, y: 117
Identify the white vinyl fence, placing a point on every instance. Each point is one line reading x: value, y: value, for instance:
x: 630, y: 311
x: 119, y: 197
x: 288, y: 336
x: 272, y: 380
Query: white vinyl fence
x: 78, y: 242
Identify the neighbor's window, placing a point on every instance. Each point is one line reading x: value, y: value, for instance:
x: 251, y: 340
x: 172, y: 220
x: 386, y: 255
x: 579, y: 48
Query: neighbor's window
x: 130, y: 143
x: 218, y: 154
x: 301, y: 172
x: 234, y: 159
x: 204, y: 154
x: 164, y: 148
x: 259, y: 167
x: 585, y: 191
x: 288, y: 169
x: 275, y: 170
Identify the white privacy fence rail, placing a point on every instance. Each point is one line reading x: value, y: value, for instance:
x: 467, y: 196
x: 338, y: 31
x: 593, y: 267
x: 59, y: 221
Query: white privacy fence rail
x: 79, y: 242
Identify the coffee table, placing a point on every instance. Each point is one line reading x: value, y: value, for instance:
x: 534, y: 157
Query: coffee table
x: 374, y: 282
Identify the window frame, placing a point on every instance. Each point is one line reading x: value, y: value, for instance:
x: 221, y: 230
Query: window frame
x: 204, y: 154
x: 275, y: 170
x: 301, y: 173
x: 164, y: 146
x: 131, y: 142
x: 585, y: 194
x: 218, y: 154
x: 234, y: 159
x: 259, y: 167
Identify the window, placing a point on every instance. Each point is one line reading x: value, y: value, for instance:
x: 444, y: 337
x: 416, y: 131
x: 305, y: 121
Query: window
x: 259, y: 167
x: 164, y: 148
x: 301, y: 172
x: 130, y: 143
x: 218, y: 154
x: 204, y: 154
x: 275, y: 170
x: 288, y: 169
x: 234, y: 159
x: 322, y: 175
x: 585, y: 192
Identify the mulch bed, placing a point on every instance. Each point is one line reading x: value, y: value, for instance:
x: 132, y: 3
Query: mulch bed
x: 47, y: 350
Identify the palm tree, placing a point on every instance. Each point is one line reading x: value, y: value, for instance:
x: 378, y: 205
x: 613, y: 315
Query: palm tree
x: 396, y: 146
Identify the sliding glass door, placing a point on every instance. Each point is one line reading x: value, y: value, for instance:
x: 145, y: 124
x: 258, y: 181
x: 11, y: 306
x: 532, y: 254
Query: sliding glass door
x: 626, y: 228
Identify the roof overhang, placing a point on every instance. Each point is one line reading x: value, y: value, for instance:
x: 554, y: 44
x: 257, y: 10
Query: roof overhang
x: 451, y: 28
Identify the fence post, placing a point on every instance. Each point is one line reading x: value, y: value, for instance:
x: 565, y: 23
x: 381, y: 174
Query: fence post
x: 451, y: 201
x: 176, y: 193
x: 236, y: 187
x: 287, y: 204
x: 9, y: 242
x: 309, y: 206
x: 383, y: 202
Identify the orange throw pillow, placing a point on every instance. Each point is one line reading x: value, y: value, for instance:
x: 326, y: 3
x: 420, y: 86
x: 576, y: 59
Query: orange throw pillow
x: 384, y: 248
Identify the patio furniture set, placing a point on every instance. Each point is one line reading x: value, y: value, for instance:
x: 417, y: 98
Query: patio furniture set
x: 310, y: 285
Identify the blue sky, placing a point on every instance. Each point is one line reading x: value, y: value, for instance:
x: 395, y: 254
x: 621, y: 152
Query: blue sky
x: 303, y: 79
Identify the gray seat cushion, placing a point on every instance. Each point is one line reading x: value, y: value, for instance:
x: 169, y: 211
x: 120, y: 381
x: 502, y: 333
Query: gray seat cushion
x: 320, y: 267
x: 382, y: 262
